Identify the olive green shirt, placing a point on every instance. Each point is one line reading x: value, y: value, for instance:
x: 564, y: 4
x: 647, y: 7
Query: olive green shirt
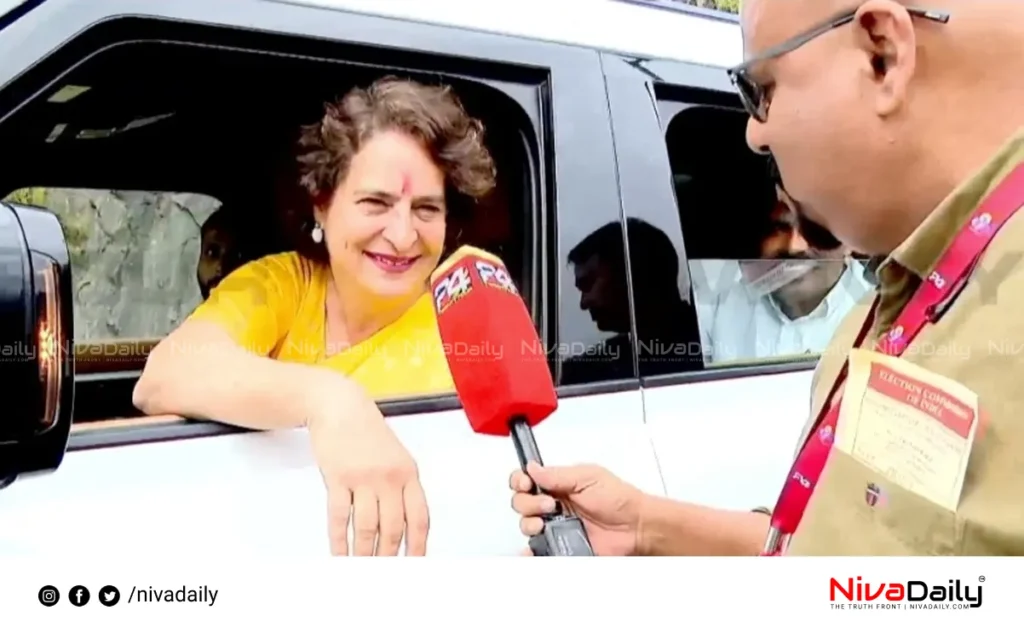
x: 978, y: 342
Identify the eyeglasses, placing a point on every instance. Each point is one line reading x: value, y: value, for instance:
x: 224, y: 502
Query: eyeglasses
x: 754, y: 95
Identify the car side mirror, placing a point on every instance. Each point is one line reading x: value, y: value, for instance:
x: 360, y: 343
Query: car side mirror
x: 36, y: 342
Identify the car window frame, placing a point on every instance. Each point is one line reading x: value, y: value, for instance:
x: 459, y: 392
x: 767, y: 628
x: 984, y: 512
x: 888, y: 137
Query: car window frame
x: 642, y: 92
x: 57, y: 25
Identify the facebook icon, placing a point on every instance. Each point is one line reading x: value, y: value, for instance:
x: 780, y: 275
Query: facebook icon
x: 79, y: 596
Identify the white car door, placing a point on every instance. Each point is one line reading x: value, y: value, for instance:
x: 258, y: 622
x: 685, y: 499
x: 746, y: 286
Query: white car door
x: 725, y: 436
x: 261, y: 494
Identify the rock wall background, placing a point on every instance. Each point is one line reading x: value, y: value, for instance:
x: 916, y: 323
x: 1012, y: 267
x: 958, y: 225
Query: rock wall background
x: 133, y: 257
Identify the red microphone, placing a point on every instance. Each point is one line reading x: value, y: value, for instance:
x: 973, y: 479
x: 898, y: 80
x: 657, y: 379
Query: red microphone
x: 500, y: 370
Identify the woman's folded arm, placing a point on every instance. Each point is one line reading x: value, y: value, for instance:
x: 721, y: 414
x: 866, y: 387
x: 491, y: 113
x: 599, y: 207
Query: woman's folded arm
x: 198, y: 371
x: 214, y: 366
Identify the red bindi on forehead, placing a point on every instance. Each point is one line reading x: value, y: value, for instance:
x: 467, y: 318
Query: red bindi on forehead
x: 406, y: 184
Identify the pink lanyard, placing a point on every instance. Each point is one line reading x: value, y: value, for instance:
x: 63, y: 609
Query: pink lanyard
x: 953, y: 269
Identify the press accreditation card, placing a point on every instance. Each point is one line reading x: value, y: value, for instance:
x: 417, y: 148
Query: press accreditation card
x: 909, y: 424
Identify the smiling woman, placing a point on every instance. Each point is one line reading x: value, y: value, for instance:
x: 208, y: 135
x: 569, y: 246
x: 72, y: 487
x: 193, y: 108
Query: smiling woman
x: 386, y: 171
x: 313, y: 336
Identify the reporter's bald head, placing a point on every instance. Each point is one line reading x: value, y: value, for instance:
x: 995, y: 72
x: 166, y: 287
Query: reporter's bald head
x: 873, y: 123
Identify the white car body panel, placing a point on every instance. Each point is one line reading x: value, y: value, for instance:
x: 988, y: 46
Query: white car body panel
x: 601, y: 24
x: 261, y: 493
x: 728, y: 443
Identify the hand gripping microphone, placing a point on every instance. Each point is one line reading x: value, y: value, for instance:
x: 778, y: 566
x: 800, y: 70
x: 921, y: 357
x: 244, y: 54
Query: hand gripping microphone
x: 500, y: 370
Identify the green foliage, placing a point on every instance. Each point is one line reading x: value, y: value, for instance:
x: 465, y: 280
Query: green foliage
x: 34, y: 196
x: 732, y: 6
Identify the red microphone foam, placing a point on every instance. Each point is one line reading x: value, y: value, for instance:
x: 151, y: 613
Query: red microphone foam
x: 496, y: 358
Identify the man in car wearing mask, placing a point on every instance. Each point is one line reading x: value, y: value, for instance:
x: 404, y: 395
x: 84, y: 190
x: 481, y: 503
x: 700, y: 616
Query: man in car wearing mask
x: 789, y: 301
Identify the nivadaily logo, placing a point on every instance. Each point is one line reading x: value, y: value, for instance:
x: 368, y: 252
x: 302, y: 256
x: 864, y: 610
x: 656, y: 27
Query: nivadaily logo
x: 910, y: 594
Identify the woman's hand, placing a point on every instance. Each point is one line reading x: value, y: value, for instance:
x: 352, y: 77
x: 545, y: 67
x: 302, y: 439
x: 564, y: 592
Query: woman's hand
x: 369, y: 476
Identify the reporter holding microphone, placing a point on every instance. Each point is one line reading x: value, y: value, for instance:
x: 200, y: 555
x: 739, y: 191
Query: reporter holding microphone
x: 865, y: 139
x: 623, y: 521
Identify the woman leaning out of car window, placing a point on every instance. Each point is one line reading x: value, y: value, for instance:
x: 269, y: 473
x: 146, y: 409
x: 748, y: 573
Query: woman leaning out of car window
x: 313, y: 337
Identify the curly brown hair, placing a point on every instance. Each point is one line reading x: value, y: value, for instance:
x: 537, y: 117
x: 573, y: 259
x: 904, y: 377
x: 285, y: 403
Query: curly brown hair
x: 432, y: 114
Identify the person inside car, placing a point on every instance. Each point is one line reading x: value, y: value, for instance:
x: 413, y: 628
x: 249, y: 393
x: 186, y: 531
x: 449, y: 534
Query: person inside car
x: 221, y: 250
x: 312, y: 337
x: 790, y: 300
x: 663, y: 318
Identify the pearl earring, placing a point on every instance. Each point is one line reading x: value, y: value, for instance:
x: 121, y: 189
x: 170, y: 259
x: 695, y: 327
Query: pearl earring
x: 317, y: 233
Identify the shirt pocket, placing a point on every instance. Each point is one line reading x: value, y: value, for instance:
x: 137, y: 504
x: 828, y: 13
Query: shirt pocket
x: 858, y: 511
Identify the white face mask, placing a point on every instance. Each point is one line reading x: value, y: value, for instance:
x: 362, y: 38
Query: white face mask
x: 764, y: 276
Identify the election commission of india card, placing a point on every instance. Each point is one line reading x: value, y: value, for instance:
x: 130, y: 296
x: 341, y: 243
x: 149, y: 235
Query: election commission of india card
x: 909, y: 424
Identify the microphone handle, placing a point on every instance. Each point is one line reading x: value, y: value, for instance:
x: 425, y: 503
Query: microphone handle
x: 563, y: 534
x: 526, y: 444
x: 526, y: 449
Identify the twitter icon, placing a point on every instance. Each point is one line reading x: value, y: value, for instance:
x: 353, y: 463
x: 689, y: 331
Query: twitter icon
x: 109, y: 596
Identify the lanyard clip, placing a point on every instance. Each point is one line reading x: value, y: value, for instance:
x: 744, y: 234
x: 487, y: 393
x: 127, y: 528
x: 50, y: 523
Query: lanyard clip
x: 775, y: 543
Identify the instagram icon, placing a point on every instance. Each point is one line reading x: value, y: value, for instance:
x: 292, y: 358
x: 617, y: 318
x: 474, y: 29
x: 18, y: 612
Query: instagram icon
x: 49, y: 596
